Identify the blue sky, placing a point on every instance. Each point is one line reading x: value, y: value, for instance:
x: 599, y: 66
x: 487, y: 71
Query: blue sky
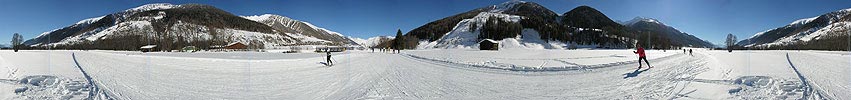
x: 707, y: 19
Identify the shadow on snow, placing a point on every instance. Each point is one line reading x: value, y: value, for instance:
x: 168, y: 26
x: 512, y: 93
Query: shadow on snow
x: 634, y: 73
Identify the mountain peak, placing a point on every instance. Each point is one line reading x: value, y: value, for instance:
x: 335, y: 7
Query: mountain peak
x: 584, y: 7
x: 506, y: 6
x: 510, y: 3
x: 802, y: 21
x: 641, y: 19
x: 587, y: 17
x: 266, y: 17
x: 154, y: 6
x: 584, y: 10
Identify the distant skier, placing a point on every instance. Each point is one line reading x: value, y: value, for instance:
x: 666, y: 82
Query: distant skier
x: 690, y: 53
x: 328, y: 60
x: 684, y: 51
x: 641, y: 56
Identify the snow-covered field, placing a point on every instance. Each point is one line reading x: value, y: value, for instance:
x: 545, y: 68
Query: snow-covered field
x: 538, y: 59
x: 425, y: 74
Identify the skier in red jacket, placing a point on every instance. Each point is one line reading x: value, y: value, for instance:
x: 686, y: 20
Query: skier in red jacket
x: 641, y: 56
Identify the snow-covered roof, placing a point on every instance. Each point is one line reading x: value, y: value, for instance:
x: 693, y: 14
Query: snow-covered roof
x: 148, y: 46
x: 489, y: 40
x: 233, y: 43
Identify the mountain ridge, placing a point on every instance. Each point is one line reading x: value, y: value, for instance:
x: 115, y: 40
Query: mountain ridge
x: 824, y: 32
x: 175, y: 26
x: 582, y: 25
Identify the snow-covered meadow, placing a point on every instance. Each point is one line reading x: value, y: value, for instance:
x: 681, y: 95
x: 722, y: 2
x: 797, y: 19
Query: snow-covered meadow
x: 538, y: 59
x: 425, y: 74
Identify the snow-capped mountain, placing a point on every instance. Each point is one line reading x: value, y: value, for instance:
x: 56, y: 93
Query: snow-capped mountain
x: 640, y: 19
x: 820, y: 32
x: 469, y: 31
x: 582, y: 25
x: 657, y: 28
x: 372, y: 41
x: 170, y: 26
x: 301, y: 30
x: 174, y: 26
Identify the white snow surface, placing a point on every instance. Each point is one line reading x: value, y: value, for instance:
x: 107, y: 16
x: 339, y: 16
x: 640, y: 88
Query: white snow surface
x: 416, y: 74
x: 537, y: 59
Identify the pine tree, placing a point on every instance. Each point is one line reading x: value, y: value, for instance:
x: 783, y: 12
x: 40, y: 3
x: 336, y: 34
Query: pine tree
x: 399, y: 41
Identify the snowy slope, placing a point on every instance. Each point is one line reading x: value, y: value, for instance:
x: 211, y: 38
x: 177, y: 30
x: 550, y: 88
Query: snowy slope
x: 536, y: 59
x: 803, y: 30
x: 144, y: 25
x: 300, y: 30
x: 92, y: 35
x: 505, y: 6
x: 465, y: 33
x: 372, y: 41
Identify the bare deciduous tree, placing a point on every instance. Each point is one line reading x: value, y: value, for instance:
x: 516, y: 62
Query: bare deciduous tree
x: 731, y: 42
x: 17, y: 41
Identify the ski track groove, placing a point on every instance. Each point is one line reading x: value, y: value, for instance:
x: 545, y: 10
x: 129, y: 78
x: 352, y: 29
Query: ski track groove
x: 660, y: 76
x: 95, y: 84
x: 520, y: 68
x: 811, y: 91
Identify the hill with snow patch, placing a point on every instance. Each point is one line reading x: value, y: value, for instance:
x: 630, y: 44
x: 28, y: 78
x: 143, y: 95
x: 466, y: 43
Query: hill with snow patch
x: 829, y: 31
x: 175, y: 26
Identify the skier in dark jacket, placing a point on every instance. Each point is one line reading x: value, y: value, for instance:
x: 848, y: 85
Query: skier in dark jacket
x: 328, y: 60
x: 641, y: 56
x: 690, y: 53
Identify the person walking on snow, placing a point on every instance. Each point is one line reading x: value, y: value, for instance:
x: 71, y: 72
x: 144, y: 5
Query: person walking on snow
x: 690, y: 53
x: 328, y: 60
x: 641, y: 56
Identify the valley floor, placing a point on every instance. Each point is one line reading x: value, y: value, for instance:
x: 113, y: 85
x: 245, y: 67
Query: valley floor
x: 426, y: 74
